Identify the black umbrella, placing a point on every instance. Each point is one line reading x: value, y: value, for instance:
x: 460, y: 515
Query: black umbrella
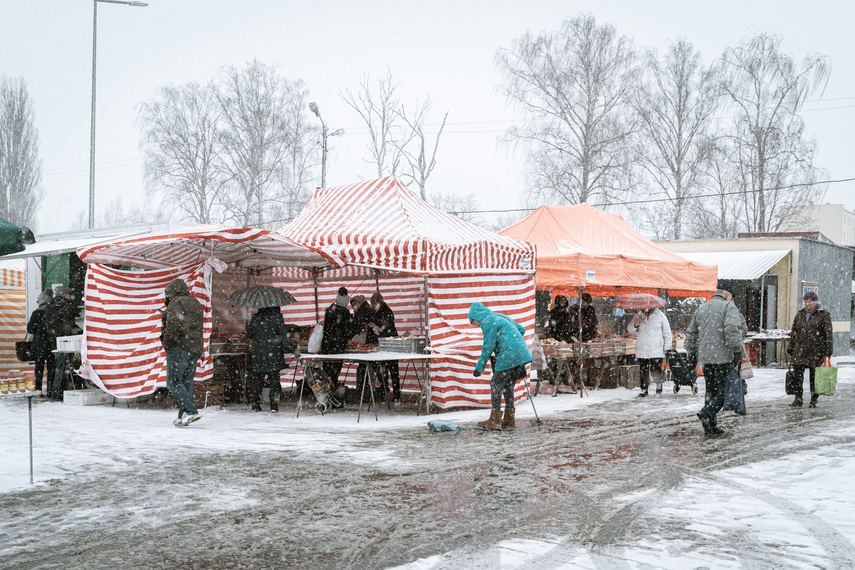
x: 261, y: 296
x: 13, y: 238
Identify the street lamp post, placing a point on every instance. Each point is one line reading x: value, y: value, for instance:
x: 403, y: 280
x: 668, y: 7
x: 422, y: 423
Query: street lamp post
x: 313, y: 107
x: 92, y: 133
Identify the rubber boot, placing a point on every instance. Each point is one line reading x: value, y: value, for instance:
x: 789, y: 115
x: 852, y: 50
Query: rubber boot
x: 495, y: 421
x: 813, y: 400
x: 797, y: 402
x: 508, y: 420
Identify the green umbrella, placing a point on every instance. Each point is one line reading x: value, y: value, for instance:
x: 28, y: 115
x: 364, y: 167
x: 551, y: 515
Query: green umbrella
x: 13, y: 238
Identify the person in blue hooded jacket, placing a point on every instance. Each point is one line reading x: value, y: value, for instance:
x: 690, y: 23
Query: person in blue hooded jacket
x: 503, y: 338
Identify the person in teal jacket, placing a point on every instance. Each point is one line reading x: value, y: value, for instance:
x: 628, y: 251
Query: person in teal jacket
x: 503, y: 338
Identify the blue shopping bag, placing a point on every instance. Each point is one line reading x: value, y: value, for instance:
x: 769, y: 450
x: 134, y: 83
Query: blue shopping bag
x: 734, y: 396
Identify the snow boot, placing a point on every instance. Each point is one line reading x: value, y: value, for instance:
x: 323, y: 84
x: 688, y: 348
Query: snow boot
x: 508, y: 419
x: 495, y: 421
x: 813, y: 400
x: 643, y: 394
x: 797, y: 402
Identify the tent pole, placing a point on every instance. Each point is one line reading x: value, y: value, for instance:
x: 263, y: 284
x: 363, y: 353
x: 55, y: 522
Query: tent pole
x: 581, y: 359
x: 376, y: 281
x: 315, y: 281
x: 426, y: 329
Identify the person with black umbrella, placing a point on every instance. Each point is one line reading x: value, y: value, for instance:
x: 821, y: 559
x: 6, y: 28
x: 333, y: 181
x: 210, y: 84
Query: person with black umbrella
x: 270, y: 338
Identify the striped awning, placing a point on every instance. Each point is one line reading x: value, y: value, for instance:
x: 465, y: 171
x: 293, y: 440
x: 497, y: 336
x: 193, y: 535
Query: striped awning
x: 382, y: 224
x: 738, y: 265
x: 238, y: 247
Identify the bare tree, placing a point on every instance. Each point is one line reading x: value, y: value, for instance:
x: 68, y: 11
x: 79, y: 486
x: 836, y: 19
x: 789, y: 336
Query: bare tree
x: 21, y: 193
x: 675, y: 104
x: 182, y: 150
x: 573, y: 86
x: 461, y: 205
x: 259, y: 136
x: 379, y: 111
x: 413, y: 146
x: 767, y: 90
x: 717, y: 213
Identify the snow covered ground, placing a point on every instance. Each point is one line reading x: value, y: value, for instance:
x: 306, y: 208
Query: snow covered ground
x: 800, y: 505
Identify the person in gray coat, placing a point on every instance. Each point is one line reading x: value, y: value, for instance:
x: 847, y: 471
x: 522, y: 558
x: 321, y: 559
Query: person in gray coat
x: 714, y: 340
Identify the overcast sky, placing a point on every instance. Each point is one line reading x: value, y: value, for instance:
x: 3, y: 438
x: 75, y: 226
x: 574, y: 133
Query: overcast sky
x: 441, y: 48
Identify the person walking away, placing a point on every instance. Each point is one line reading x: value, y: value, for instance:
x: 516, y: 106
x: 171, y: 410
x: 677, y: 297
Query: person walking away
x: 270, y: 338
x: 339, y: 328
x: 42, y: 348
x: 384, y: 325
x: 503, y: 338
x: 811, y: 340
x: 589, y: 321
x: 653, y: 338
x: 714, y: 341
x: 182, y: 339
x: 59, y: 317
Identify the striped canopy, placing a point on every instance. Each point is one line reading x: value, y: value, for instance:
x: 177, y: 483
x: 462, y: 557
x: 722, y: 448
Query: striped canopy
x: 238, y: 247
x: 382, y: 224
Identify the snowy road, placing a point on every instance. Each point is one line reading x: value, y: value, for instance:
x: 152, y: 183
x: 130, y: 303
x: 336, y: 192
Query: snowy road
x: 611, y: 481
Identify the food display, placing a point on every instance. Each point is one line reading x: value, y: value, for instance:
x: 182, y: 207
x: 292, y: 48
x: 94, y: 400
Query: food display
x: 601, y: 347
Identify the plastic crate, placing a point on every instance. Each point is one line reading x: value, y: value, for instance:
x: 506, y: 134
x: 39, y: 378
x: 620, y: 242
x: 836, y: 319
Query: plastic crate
x: 86, y: 397
x: 412, y: 344
x: 70, y: 343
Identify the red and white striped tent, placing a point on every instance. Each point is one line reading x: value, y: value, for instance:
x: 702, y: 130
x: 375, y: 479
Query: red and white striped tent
x: 418, y: 256
x: 121, y: 344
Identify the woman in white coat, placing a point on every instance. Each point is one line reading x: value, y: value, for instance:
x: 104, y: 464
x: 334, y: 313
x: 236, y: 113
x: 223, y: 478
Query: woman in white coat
x: 653, y: 338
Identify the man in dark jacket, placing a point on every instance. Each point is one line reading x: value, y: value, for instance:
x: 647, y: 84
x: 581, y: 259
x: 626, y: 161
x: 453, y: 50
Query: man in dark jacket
x: 182, y: 339
x: 339, y: 328
x: 714, y: 341
x: 363, y: 314
x: 384, y: 325
x: 558, y: 323
x: 59, y: 318
x: 269, y: 337
x: 811, y: 340
x: 589, y: 321
x: 42, y: 349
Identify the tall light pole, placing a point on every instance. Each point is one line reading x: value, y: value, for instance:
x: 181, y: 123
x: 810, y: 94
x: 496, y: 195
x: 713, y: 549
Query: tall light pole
x: 92, y: 134
x: 313, y: 107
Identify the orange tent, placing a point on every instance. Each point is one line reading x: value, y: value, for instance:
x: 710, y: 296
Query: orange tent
x: 581, y: 246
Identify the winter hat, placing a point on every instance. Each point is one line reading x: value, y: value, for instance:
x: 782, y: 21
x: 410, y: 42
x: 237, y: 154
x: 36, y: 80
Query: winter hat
x: 725, y: 286
x: 811, y: 296
x: 586, y: 297
x: 357, y: 300
x: 376, y: 298
x: 45, y: 297
x: 342, y: 300
x: 62, y: 290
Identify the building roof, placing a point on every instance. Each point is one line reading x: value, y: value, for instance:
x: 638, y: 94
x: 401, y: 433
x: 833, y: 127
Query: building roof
x: 739, y: 265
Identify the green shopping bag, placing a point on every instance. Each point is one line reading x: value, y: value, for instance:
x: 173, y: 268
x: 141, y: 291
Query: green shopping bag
x: 825, y: 379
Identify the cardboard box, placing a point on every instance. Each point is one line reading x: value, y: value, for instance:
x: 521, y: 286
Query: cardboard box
x: 630, y: 376
x: 87, y: 397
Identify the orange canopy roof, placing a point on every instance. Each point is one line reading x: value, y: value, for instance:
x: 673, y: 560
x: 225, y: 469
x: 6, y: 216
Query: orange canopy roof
x: 581, y: 246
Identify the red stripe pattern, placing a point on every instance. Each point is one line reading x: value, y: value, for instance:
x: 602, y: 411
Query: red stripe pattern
x: 384, y: 225
x: 244, y: 247
x: 121, y: 352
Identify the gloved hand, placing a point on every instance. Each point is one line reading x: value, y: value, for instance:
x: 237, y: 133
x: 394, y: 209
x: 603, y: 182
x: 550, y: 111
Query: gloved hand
x: 737, y: 359
x: 476, y: 374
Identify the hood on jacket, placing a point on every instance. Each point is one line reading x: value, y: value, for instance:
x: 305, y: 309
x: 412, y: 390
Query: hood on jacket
x: 478, y: 312
x: 557, y: 301
x: 175, y: 288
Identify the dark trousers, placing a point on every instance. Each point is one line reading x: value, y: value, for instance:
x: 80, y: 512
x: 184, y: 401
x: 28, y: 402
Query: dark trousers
x: 798, y: 389
x: 180, y: 371
x: 43, y: 361
x: 390, y: 368
x: 646, y: 366
x: 333, y: 369
x: 715, y: 377
x: 258, y: 386
x: 502, y: 384
x: 58, y: 387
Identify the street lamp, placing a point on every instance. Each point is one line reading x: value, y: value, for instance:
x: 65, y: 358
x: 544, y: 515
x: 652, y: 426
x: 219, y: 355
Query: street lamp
x: 92, y: 134
x: 313, y: 107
